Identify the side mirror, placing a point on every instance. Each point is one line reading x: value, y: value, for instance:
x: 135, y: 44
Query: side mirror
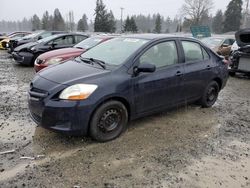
x: 53, y: 45
x: 40, y: 37
x: 145, y: 67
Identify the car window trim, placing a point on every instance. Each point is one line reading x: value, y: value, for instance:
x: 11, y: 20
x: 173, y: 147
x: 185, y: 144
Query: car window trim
x: 156, y: 43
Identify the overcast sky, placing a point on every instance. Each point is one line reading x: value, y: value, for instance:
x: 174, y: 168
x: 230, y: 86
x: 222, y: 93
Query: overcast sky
x: 17, y: 9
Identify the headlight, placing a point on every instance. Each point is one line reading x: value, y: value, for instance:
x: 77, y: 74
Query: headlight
x: 78, y: 92
x: 53, y: 61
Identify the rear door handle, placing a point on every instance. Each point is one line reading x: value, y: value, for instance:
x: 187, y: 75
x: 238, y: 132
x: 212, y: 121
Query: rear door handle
x: 178, y: 73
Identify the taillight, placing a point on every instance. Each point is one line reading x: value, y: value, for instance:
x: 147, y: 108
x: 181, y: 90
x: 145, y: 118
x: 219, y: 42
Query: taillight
x: 226, y: 62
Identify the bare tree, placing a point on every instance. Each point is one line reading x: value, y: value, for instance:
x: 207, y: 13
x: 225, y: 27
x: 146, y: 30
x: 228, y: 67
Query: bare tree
x: 195, y: 10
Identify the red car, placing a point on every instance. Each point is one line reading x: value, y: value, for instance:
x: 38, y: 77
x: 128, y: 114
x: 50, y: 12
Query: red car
x: 58, y: 56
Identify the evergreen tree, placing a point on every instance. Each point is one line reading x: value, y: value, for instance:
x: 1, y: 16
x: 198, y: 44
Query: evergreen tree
x: 133, y: 25
x: 111, y: 22
x: 82, y: 23
x: 101, y: 17
x: 126, y: 27
x: 58, y: 21
x: 51, y: 21
x: 36, y: 23
x: 158, y: 23
x: 45, y: 21
x: 217, y: 22
x: 130, y: 25
x: 233, y: 16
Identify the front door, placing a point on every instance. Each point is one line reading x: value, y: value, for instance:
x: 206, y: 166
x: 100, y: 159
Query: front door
x: 163, y: 87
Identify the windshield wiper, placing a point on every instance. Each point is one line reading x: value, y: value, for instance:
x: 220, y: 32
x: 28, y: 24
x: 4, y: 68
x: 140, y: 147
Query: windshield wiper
x: 78, y: 47
x: 92, y: 61
x: 86, y: 60
x: 99, y: 62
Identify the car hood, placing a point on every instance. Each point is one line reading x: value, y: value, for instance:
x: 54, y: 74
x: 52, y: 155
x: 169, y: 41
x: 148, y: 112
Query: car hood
x: 71, y: 71
x: 243, y: 37
x: 25, y: 46
x: 61, y: 52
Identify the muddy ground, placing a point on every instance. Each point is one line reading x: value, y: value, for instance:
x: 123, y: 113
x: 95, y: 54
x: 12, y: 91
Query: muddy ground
x: 188, y: 147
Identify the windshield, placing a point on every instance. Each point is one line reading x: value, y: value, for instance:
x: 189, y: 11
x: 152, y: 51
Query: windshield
x: 46, y: 39
x: 115, y: 51
x: 32, y: 35
x: 89, y: 43
x: 211, y: 42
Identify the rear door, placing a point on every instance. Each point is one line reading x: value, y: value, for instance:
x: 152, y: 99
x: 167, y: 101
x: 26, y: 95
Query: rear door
x: 198, y: 69
x: 160, y: 89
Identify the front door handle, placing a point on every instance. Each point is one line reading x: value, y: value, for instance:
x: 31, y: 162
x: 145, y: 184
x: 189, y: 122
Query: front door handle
x: 178, y: 73
x: 208, y: 67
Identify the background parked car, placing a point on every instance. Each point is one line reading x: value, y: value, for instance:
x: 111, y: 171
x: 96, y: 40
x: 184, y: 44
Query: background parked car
x: 37, y: 35
x: 26, y: 54
x: 123, y: 79
x: 4, y: 43
x: 240, y: 59
x: 57, y: 56
x: 221, y: 45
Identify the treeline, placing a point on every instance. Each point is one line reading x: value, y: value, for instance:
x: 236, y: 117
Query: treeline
x: 104, y: 21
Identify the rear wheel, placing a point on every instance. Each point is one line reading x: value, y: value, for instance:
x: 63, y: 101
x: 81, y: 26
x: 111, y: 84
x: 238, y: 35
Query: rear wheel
x: 109, y: 121
x: 34, y: 59
x: 210, y: 95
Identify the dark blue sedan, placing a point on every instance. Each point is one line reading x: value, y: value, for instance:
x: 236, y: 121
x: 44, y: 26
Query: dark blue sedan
x: 123, y: 79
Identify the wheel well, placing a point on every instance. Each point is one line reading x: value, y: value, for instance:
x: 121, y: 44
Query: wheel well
x: 218, y: 80
x: 120, y: 99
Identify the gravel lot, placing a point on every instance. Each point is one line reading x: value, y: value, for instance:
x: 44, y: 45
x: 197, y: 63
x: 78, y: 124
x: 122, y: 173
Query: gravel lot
x: 188, y: 147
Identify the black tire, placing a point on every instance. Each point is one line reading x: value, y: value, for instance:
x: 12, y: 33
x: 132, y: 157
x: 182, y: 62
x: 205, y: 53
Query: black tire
x: 210, y: 95
x: 109, y: 121
x: 232, y: 74
x: 34, y: 59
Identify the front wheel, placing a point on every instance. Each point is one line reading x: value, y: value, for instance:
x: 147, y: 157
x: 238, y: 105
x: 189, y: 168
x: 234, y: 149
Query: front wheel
x: 109, y: 121
x: 210, y: 95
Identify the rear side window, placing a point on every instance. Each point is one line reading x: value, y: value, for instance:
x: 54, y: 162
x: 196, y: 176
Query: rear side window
x: 79, y: 38
x: 194, y: 52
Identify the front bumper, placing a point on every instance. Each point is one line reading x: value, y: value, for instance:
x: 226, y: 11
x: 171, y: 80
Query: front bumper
x: 70, y: 117
x: 25, y: 58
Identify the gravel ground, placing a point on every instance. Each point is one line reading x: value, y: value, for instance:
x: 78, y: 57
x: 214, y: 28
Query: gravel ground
x: 187, y: 147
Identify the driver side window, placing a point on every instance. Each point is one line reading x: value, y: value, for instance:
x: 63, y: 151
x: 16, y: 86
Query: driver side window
x: 161, y: 55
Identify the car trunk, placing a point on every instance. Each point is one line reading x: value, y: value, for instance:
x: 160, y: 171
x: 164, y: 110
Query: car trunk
x: 243, y: 41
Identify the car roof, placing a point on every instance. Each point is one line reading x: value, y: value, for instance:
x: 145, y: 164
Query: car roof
x: 67, y: 34
x: 152, y: 36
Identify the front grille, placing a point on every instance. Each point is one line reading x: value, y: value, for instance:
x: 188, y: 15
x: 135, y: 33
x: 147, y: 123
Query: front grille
x: 37, y: 94
x: 37, y: 118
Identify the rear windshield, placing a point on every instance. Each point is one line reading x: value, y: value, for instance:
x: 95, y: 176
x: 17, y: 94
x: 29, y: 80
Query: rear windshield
x: 211, y: 42
x: 115, y: 51
x: 89, y: 43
